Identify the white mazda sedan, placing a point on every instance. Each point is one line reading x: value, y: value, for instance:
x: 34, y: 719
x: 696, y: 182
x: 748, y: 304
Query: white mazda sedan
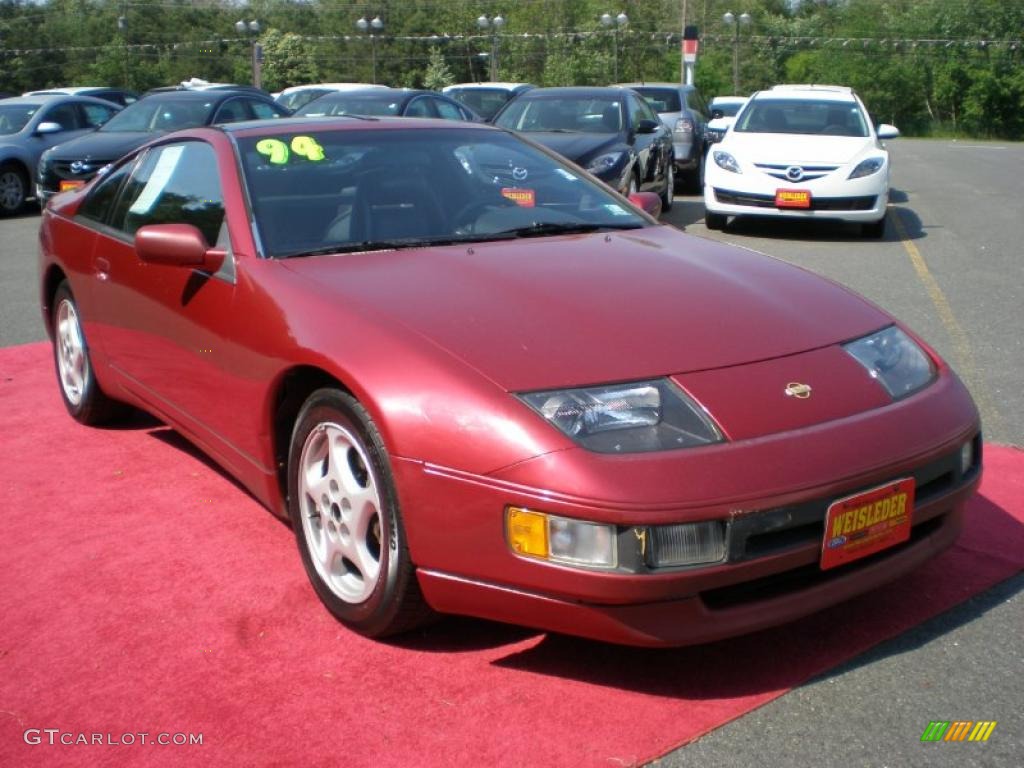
x: 801, y: 152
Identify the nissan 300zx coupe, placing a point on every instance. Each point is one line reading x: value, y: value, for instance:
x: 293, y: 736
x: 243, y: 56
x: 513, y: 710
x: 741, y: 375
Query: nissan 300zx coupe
x: 479, y: 382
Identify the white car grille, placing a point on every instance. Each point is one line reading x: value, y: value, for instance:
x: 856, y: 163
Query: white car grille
x: 796, y: 173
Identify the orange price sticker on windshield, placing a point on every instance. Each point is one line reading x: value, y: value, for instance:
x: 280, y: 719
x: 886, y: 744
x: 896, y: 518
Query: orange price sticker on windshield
x: 524, y: 197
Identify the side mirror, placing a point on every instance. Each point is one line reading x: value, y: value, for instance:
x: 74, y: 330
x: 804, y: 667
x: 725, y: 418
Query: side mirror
x: 647, y: 126
x: 648, y: 202
x: 886, y: 131
x: 48, y: 127
x: 176, y: 245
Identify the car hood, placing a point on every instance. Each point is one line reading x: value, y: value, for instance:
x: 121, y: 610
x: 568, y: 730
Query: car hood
x: 795, y: 149
x: 102, y: 146
x: 586, y: 309
x: 578, y: 147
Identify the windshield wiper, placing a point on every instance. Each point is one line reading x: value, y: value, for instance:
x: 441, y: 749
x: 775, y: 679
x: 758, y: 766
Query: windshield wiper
x: 393, y: 245
x: 540, y: 229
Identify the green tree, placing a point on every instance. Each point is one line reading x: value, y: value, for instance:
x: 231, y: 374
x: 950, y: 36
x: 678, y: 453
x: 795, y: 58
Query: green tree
x: 437, y: 74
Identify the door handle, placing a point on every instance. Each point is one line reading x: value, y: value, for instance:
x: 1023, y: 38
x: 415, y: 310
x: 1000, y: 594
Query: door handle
x: 102, y: 268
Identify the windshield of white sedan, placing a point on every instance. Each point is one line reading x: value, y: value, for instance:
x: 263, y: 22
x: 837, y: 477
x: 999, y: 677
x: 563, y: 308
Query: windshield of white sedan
x: 155, y: 114
x: 803, y: 116
x: 361, y: 190
x: 584, y: 115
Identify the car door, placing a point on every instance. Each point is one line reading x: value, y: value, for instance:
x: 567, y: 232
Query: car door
x: 168, y: 330
x: 649, y: 147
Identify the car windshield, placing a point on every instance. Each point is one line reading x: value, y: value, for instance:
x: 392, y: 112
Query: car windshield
x: 375, y: 105
x: 661, y: 99
x: 566, y: 114
x: 297, y: 99
x: 156, y: 114
x: 728, y: 109
x: 484, y: 101
x: 340, y: 191
x: 14, y: 117
x: 803, y: 116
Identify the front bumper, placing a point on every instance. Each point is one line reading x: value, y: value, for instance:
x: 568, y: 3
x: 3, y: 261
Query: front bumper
x: 774, y: 491
x: 753, y: 194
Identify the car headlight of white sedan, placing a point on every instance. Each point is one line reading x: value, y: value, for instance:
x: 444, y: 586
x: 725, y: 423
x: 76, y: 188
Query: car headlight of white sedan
x: 725, y: 161
x: 867, y: 167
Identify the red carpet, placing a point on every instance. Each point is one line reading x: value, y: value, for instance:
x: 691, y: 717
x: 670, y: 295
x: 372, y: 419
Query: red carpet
x: 144, y: 592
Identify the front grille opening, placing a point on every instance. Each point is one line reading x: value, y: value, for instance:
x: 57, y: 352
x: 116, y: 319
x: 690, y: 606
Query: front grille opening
x: 805, y: 577
x: 769, y: 543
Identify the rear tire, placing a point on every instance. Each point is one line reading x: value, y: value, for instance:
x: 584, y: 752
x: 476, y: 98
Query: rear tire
x: 13, y: 189
x: 79, y: 390
x: 874, y: 229
x: 345, y: 513
x: 715, y: 220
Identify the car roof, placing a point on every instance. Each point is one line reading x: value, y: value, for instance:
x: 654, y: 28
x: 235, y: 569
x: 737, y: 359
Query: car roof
x: 816, y: 92
x: 491, y: 86
x: 569, y: 91
x: 203, y: 95
x: 45, y: 98
x: 678, y: 86
x: 343, y: 122
x: 730, y: 99
x: 339, y: 87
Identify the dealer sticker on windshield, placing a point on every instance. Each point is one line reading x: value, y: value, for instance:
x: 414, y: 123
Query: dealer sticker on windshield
x: 867, y: 522
x: 792, y: 198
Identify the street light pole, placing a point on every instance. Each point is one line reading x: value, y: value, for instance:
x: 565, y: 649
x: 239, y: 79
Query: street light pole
x: 371, y: 28
x: 253, y: 28
x: 616, y: 23
x: 731, y: 21
x: 495, y: 24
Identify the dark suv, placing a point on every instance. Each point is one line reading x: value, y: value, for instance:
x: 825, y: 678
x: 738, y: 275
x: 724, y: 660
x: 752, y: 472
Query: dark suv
x: 683, y: 111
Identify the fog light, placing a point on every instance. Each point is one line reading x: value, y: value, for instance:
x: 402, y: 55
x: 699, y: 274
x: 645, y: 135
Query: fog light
x: 687, y: 544
x: 561, y: 539
x: 966, y: 457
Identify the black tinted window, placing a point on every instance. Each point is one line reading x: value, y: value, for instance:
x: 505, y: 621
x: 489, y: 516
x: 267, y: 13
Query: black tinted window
x: 661, y: 99
x: 174, y: 184
x: 103, y: 194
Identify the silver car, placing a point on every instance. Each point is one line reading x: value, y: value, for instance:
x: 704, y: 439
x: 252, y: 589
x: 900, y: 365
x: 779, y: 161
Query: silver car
x: 29, y: 125
x: 683, y: 111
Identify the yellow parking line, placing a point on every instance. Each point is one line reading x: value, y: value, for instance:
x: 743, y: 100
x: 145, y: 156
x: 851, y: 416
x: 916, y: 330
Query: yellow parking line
x: 962, y: 351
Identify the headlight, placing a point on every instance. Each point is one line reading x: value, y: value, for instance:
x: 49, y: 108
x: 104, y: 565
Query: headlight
x: 867, y: 167
x: 726, y: 161
x: 891, y: 357
x: 626, y: 418
x: 605, y: 162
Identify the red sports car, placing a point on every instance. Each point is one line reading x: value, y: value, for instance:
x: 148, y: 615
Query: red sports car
x: 479, y: 382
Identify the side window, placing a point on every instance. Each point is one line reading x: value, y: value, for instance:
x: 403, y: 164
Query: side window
x: 232, y: 111
x: 420, y: 107
x: 448, y: 111
x: 646, y: 112
x: 103, y: 194
x: 262, y: 111
x: 174, y: 184
x: 95, y: 115
x: 64, y: 114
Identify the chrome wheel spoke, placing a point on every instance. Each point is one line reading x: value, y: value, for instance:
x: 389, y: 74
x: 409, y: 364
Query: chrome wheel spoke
x: 341, y: 507
x: 72, y: 361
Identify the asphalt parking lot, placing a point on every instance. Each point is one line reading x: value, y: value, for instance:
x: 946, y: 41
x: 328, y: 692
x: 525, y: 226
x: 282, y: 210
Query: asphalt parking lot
x: 950, y: 266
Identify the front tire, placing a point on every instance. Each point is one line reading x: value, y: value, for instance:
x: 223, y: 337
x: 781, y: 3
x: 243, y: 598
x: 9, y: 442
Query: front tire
x: 874, y: 229
x: 79, y: 390
x: 345, y: 513
x: 715, y: 220
x: 13, y: 189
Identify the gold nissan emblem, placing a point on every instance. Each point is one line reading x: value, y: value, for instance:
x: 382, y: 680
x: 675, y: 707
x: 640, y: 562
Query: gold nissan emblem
x: 798, y: 390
